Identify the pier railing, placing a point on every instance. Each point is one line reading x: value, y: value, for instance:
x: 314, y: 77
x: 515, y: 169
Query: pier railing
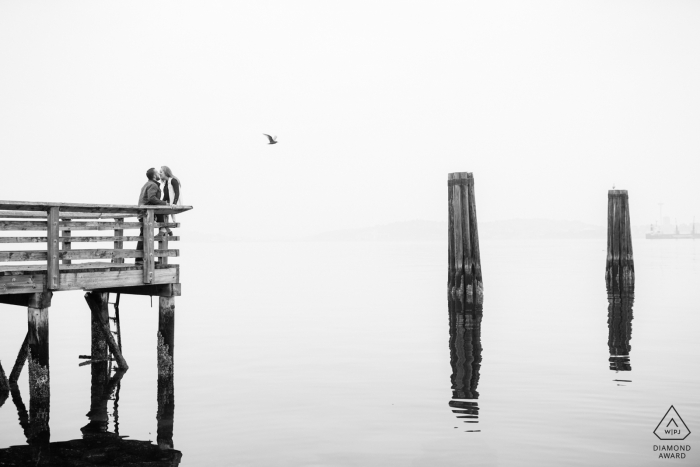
x: 61, y: 220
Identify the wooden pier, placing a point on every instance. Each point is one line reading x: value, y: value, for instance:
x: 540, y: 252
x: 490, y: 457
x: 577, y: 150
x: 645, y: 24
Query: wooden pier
x: 30, y: 277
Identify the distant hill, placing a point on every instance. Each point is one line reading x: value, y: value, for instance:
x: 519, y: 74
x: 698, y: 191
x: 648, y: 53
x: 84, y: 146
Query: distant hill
x: 506, y: 229
x: 435, y: 231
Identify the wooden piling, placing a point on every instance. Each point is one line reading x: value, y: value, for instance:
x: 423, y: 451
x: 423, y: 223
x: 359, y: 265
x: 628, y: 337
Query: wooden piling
x: 39, y: 377
x: 619, y: 267
x: 99, y: 349
x: 166, y: 366
x: 98, y: 305
x: 464, y: 281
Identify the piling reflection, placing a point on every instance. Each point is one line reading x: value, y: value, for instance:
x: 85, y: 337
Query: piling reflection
x: 620, y: 328
x: 465, y: 359
x: 101, y: 443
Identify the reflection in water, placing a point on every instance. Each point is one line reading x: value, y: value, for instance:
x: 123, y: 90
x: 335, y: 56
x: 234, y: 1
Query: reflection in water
x: 99, y: 445
x: 465, y: 359
x: 620, y: 328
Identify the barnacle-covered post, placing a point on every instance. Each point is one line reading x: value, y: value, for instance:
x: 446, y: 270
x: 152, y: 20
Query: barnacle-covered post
x: 166, y: 386
x: 39, y: 380
x: 464, y: 283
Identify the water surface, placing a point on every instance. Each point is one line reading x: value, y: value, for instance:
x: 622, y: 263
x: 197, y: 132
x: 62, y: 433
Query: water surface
x: 340, y: 353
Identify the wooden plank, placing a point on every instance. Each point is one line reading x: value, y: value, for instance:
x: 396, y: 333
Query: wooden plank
x: 71, y: 215
x: 148, y: 259
x: 78, y: 225
x: 92, y: 208
x: 84, y: 239
x: 21, y: 269
x: 458, y: 251
x: 474, y: 239
x: 27, y: 283
x: 34, y: 300
x: 155, y: 290
x: 88, y: 280
x: 103, y: 280
x: 118, y: 244
x: 96, y: 306
x: 52, y: 259
x: 37, y: 255
x: 65, y: 241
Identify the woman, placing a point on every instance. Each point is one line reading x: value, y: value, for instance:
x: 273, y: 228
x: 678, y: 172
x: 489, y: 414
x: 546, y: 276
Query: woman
x: 172, y: 190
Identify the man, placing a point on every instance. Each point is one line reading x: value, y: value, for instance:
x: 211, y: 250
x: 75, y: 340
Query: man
x: 150, y: 195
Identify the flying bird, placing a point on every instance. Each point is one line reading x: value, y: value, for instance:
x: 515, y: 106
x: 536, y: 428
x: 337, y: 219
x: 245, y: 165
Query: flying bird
x: 272, y: 140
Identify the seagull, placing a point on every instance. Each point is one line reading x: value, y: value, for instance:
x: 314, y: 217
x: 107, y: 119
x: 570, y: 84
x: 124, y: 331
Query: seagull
x: 272, y: 140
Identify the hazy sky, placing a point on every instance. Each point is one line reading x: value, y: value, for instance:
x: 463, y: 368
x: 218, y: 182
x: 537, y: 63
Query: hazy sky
x: 373, y: 103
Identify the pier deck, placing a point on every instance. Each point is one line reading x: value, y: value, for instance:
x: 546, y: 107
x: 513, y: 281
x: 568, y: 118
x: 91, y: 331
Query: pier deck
x: 64, y: 267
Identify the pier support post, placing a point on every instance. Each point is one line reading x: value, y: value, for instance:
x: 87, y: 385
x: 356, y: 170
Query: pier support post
x: 166, y: 365
x: 464, y: 281
x: 619, y: 267
x: 39, y: 378
x: 98, y: 302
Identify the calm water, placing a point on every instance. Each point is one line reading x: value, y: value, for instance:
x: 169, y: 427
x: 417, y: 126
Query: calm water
x: 339, y: 354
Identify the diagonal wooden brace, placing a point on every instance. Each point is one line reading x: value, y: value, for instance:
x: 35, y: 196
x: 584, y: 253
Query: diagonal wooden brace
x: 21, y: 359
x: 95, y: 307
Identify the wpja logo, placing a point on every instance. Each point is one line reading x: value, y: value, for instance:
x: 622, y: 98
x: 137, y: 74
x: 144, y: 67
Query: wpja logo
x: 672, y: 427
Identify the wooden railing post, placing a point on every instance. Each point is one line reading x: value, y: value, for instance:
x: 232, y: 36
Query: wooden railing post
x: 118, y: 244
x: 66, y: 244
x: 163, y: 245
x: 148, y: 259
x: 52, y: 271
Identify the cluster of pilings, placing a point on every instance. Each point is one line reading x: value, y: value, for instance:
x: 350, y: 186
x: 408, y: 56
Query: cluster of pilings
x: 619, y: 265
x: 465, y: 296
x: 465, y: 289
x: 104, y: 351
x: 464, y: 283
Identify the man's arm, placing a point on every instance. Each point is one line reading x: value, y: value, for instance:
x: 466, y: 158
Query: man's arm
x: 152, y: 195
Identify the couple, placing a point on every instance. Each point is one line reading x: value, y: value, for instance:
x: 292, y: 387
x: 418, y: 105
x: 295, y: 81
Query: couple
x: 151, y: 195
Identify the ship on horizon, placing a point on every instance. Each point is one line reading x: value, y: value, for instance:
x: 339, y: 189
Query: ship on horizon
x: 656, y: 233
